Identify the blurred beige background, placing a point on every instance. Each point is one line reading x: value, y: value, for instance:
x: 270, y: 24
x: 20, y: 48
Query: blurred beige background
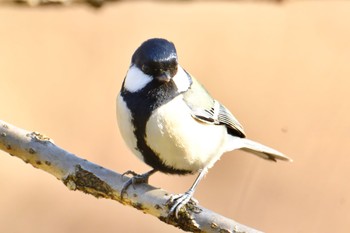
x: 283, y: 70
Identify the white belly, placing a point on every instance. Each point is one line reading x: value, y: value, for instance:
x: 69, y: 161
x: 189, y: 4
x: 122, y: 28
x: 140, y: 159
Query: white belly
x: 181, y: 141
x: 126, y: 127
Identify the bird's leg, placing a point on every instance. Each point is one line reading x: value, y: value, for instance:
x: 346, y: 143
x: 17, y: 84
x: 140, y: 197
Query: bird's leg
x: 181, y: 200
x: 135, y: 179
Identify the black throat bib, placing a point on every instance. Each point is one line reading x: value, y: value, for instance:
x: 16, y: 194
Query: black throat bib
x: 142, y: 104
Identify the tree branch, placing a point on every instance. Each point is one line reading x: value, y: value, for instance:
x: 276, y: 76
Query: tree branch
x: 79, y: 174
x: 92, y: 3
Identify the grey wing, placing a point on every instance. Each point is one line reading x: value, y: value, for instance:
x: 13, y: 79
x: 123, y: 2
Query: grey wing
x: 219, y: 115
x: 208, y: 110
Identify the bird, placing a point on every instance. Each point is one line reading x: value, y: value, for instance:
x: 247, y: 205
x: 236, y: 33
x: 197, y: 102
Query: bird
x: 172, y: 123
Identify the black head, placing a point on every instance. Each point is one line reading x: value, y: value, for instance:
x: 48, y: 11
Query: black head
x: 157, y: 58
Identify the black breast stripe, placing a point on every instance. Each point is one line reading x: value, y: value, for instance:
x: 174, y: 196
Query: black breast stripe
x: 141, y: 105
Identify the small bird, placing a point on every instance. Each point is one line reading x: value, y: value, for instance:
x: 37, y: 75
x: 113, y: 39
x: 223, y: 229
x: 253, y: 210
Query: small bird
x: 170, y: 121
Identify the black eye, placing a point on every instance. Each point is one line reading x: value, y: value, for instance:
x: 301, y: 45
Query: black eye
x: 146, y: 69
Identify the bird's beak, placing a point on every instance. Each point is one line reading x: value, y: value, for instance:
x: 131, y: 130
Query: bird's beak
x: 164, y: 77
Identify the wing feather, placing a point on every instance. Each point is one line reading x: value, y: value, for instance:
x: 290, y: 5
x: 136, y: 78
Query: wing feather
x: 208, y: 110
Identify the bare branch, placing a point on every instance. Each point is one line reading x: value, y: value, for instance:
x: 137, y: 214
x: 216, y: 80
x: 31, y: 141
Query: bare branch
x: 80, y: 174
x: 93, y: 3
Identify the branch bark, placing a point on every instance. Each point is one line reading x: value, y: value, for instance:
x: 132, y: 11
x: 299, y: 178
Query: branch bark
x: 79, y: 174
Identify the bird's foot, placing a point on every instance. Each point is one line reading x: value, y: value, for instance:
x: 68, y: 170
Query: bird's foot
x: 135, y: 179
x: 179, y: 201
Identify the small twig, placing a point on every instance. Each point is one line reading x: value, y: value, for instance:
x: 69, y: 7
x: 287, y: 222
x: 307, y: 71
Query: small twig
x: 79, y: 174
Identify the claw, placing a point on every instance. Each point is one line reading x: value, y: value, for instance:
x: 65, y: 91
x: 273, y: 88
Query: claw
x: 125, y: 187
x: 130, y: 172
x: 135, y: 179
x: 180, y: 201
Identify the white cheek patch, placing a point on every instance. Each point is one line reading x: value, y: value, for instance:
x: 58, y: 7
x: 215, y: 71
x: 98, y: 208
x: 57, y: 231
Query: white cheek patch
x: 181, y: 80
x: 135, y: 79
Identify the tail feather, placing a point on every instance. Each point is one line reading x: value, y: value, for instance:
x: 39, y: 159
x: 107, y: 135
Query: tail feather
x: 256, y: 148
